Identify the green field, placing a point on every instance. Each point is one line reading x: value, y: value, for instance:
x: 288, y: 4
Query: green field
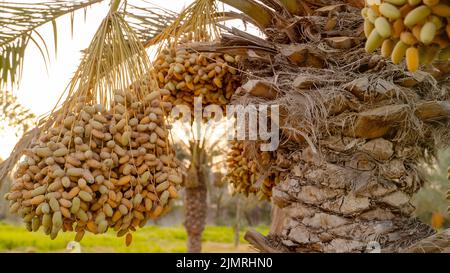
x: 15, y: 238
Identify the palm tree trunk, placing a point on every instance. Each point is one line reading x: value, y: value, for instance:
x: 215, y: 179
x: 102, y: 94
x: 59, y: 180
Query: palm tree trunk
x: 330, y: 207
x: 195, y: 214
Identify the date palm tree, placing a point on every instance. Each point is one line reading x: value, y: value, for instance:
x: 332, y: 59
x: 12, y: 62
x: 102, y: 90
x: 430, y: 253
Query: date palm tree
x: 355, y: 127
x: 201, y: 155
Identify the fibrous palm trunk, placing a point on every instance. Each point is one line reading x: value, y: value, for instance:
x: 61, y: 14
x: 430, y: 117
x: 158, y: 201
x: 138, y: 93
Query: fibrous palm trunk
x: 355, y: 128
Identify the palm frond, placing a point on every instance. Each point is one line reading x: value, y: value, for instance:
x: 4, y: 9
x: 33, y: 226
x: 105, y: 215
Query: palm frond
x: 200, y: 20
x: 19, y: 23
x: 295, y: 6
x: 197, y: 22
x: 115, y: 60
x: 13, y: 114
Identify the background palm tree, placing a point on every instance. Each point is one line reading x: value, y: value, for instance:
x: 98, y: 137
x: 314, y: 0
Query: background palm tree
x: 19, y: 32
x: 202, y: 157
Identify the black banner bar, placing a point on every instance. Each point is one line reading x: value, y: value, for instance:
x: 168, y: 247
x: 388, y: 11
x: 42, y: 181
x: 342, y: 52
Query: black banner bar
x: 219, y: 262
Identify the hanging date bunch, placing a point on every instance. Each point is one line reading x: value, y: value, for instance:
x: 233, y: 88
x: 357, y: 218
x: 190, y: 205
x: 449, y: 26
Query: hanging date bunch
x: 245, y: 173
x: 187, y: 74
x: 98, y: 169
x: 415, y: 30
x: 103, y: 160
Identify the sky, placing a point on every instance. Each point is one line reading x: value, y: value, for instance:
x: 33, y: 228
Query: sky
x: 39, y: 88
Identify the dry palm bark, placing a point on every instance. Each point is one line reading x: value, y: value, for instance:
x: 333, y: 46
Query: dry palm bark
x: 355, y: 129
x: 195, y: 206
